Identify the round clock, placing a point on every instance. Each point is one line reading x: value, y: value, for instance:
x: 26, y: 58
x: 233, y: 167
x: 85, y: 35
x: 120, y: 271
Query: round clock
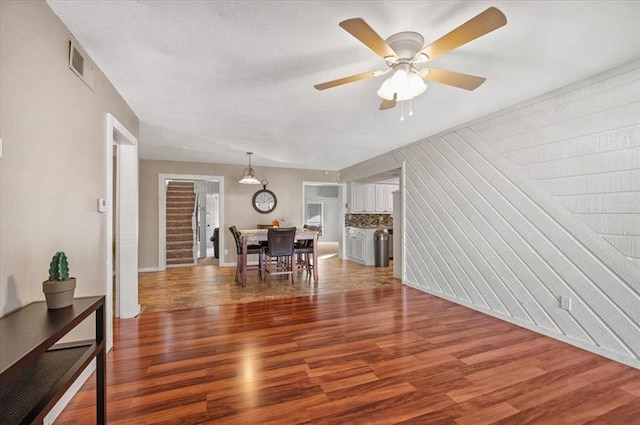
x: 264, y: 201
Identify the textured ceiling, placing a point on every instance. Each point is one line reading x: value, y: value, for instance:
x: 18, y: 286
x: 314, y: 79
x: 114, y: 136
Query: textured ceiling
x: 211, y: 80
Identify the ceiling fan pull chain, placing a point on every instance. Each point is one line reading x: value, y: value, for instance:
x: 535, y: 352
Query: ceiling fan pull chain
x: 402, y: 111
x: 410, y: 107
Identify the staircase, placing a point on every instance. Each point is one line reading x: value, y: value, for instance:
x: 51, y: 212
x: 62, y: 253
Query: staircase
x: 180, y: 206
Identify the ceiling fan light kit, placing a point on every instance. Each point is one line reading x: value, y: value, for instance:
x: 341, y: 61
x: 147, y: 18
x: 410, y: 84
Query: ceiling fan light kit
x: 402, y: 85
x: 249, y: 175
x: 403, y: 50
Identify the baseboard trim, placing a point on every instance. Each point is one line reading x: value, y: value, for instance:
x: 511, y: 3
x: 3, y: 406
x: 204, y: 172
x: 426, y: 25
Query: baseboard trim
x: 148, y: 269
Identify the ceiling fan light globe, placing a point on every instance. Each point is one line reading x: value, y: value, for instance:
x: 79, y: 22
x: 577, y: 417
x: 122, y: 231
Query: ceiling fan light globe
x: 399, y: 80
x: 386, y: 90
x: 404, y: 95
x: 415, y: 84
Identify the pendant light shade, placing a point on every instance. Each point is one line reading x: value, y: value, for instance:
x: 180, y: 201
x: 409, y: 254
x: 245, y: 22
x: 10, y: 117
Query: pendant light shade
x: 249, y: 175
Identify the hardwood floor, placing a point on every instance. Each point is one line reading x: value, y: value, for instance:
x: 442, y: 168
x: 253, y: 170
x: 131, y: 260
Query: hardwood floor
x: 207, y: 285
x: 385, y: 354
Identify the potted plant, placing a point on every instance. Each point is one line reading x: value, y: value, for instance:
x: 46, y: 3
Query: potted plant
x: 59, y: 289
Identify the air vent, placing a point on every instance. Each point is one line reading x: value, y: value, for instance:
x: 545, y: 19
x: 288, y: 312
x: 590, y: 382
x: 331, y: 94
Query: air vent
x: 81, y: 67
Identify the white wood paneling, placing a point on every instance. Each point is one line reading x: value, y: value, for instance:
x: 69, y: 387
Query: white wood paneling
x: 610, y: 140
x: 541, y: 200
x: 627, y: 159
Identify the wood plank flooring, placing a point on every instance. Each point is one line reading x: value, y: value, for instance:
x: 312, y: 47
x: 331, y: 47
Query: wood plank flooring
x: 207, y: 285
x: 385, y: 354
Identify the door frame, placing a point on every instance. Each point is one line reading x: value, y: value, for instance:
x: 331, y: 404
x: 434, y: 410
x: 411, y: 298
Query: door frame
x: 342, y: 200
x: 163, y: 178
x: 126, y: 224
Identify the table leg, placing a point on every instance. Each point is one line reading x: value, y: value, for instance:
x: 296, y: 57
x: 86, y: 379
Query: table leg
x: 315, y: 257
x: 244, y: 261
x: 101, y: 385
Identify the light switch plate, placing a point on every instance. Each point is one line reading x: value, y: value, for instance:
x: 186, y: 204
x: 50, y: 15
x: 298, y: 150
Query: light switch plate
x: 102, y: 205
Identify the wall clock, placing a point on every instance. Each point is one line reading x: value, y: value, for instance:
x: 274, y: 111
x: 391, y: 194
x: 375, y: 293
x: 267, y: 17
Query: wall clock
x: 264, y: 201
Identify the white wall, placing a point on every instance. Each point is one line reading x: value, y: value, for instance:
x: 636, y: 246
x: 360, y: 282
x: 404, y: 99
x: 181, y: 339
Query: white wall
x: 53, y: 158
x: 512, y: 211
x: 286, y: 183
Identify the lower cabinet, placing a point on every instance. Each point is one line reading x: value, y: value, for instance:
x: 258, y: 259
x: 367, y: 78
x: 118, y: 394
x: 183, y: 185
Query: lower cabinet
x: 349, y: 243
x: 360, y: 245
x: 359, y: 249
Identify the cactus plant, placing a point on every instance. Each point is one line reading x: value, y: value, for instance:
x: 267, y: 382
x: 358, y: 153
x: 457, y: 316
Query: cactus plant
x: 59, y: 267
x: 59, y: 288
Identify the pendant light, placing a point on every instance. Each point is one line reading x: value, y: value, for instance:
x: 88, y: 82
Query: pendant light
x: 249, y: 175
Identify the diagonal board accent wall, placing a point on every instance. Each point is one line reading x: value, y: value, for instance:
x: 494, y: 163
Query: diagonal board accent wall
x: 494, y: 213
x: 583, y: 148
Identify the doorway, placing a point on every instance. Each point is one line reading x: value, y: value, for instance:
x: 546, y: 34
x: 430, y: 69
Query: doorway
x: 207, y: 221
x: 324, y: 205
x: 121, y: 225
x: 208, y: 189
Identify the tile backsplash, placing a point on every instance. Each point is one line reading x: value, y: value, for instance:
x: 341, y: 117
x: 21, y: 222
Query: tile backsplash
x: 368, y: 220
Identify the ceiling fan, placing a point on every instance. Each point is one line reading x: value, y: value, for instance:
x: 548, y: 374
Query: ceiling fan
x: 404, y: 52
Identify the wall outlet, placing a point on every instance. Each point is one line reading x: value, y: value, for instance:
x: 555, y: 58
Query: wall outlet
x: 226, y: 252
x: 565, y: 303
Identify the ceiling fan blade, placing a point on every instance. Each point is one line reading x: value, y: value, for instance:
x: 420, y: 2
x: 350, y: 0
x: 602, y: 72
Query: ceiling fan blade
x: 388, y: 104
x: 456, y: 79
x: 489, y: 20
x: 358, y: 28
x: 350, y: 79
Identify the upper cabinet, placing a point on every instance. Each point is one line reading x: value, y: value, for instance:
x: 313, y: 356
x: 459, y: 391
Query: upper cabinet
x: 372, y: 198
x: 357, y: 197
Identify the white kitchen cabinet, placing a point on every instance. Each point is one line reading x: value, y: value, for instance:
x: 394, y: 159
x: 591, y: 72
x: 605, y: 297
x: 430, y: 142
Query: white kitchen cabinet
x: 357, y: 197
x: 359, y: 243
x: 349, y: 244
x: 359, y: 247
x: 389, y: 189
x: 384, y: 197
x: 372, y: 198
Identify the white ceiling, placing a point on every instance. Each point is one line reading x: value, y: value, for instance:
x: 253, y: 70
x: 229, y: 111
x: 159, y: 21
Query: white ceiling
x: 211, y: 80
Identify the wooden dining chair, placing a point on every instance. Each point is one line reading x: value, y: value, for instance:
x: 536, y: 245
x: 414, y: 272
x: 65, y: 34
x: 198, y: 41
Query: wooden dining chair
x: 303, y: 251
x: 264, y: 244
x: 280, y: 249
x: 251, y: 249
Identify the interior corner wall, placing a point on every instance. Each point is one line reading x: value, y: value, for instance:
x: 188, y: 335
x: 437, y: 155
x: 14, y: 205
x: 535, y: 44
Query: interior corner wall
x: 286, y: 183
x: 539, y: 201
x: 53, y: 158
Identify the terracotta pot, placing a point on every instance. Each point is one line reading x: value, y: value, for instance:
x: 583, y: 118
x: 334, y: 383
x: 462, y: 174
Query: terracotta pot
x: 59, y: 294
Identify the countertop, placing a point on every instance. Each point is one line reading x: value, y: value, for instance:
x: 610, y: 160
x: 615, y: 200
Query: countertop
x: 371, y: 227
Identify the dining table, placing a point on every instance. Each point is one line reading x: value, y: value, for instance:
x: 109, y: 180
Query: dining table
x: 255, y: 236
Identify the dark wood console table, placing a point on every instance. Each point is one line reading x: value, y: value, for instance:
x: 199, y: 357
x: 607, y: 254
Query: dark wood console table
x: 35, y: 371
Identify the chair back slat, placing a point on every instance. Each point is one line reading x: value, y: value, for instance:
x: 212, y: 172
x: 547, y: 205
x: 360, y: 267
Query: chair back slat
x: 236, y: 237
x: 281, y: 240
x: 308, y: 243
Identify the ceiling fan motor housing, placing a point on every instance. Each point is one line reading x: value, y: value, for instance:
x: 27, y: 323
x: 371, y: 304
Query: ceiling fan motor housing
x: 406, y: 44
